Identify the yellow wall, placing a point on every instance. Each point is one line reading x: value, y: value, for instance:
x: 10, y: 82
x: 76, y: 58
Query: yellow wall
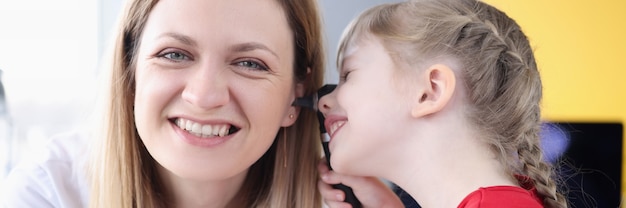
x: 580, y: 47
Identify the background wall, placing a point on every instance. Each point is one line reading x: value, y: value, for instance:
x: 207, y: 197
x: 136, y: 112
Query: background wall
x: 580, y: 48
x: 48, y: 55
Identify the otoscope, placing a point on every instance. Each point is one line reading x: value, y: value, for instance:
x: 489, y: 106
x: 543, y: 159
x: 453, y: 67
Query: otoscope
x: 312, y: 103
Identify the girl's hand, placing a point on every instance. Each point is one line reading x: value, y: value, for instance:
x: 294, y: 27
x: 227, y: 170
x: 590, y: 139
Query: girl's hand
x: 370, y: 191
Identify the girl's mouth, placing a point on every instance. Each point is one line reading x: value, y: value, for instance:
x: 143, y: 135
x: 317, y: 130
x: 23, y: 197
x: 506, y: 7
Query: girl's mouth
x: 334, y: 126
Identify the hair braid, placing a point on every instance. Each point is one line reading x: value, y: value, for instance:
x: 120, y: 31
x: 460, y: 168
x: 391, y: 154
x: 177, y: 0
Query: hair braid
x: 518, y: 94
x: 505, y: 89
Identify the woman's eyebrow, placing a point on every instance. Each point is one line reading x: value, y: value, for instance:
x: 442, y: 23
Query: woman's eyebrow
x: 180, y: 37
x: 242, y: 47
x: 251, y: 46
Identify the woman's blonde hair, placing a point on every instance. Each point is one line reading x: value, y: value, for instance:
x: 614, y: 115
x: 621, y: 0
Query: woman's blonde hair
x: 498, y: 70
x: 122, y: 173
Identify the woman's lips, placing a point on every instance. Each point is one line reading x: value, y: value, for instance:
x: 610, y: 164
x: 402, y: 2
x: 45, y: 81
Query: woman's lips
x: 203, y: 135
x: 205, y: 130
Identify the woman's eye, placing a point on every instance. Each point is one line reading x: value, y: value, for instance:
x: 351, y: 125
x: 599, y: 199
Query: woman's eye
x: 252, y: 65
x: 174, y: 56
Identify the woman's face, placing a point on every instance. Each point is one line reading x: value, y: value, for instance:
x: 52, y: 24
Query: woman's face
x: 214, y: 83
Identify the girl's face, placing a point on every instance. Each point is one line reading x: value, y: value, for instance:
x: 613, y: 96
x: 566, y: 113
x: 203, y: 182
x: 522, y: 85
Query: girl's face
x: 214, y: 83
x: 366, y: 113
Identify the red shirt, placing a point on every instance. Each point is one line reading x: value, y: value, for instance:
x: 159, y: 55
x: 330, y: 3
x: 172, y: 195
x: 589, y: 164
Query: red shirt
x: 504, y: 196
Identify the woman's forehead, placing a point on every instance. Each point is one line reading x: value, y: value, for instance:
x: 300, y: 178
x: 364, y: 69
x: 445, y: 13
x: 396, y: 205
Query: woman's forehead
x: 264, y: 20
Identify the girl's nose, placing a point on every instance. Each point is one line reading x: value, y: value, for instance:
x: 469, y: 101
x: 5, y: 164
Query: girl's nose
x: 207, y: 89
x: 327, y: 102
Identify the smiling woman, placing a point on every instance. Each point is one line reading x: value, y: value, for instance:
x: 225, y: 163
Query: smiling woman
x: 203, y: 85
x: 181, y: 125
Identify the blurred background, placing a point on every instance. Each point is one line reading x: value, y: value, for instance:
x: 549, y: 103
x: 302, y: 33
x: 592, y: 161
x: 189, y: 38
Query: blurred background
x: 50, y: 52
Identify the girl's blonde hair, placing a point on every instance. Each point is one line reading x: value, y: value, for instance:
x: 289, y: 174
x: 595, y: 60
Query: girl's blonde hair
x: 498, y: 71
x: 122, y: 173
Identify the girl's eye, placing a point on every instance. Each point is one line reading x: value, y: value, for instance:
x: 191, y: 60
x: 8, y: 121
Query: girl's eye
x: 252, y: 65
x: 344, y: 76
x: 174, y: 56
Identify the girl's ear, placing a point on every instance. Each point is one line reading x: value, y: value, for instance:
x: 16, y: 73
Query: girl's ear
x: 294, y: 111
x: 438, y: 87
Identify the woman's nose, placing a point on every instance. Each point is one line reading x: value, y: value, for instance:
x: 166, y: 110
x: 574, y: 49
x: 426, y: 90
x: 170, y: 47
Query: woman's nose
x: 206, y: 89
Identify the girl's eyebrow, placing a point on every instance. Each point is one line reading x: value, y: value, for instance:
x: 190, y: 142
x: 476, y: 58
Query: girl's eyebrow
x: 343, y: 64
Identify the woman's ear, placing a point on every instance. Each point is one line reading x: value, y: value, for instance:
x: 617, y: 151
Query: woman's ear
x: 438, y: 87
x: 294, y: 111
x: 291, y: 116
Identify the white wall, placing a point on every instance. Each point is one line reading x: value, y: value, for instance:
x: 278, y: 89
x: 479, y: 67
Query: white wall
x: 48, y: 54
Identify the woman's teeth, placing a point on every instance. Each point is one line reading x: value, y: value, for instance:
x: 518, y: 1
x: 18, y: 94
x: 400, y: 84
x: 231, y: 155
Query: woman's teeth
x: 203, y: 130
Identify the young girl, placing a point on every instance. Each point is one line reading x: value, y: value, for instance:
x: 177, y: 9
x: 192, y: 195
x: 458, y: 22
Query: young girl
x: 443, y: 99
x: 198, y: 113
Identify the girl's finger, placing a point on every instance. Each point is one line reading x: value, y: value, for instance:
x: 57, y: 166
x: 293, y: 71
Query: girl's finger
x: 329, y: 193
